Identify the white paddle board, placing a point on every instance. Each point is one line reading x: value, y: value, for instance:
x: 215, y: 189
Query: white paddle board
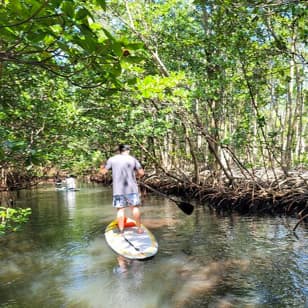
x: 131, y: 244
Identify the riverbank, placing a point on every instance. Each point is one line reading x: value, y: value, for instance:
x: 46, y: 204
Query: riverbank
x: 266, y: 193
x: 260, y: 192
x: 284, y: 195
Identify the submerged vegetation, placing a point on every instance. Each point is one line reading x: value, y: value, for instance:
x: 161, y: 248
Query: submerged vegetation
x: 210, y: 94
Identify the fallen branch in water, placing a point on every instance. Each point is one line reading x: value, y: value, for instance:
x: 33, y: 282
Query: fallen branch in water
x: 298, y: 223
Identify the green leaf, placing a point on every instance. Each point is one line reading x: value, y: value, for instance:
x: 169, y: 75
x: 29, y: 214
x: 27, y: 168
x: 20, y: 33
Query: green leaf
x: 134, y: 46
x: 68, y: 8
x: 86, y: 31
x: 3, y: 115
x: 116, y: 69
x: 8, y: 33
x: 36, y: 36
x: 35, y: 6
x: 117, y: 48
x: 108, y: 34
x: 132, y: 81
x: 57, y: 29
x: 95, y: 26
x: 131, y: 59
x: 81, y: 13
x: 101, y: 3
x: 49, y: 39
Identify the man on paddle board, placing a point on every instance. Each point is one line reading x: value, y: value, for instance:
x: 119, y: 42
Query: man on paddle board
x: 125, y: 191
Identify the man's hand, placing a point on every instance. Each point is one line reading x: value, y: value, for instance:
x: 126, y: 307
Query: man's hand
x: 103, y: 170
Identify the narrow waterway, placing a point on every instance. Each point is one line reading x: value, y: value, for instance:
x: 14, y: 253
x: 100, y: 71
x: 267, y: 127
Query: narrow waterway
x: 61, y: 259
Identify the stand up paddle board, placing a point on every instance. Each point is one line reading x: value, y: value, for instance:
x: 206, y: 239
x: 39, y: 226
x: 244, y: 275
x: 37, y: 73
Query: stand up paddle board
x: 66, y: 189
x: 131, y: 244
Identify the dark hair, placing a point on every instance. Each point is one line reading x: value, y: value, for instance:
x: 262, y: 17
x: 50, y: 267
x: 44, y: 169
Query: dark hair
x: 123, y: 148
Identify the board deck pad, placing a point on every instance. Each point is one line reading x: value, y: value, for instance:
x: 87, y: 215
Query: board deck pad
x: 131, y: 244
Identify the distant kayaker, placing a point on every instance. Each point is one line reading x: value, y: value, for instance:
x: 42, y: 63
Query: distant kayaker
x: 70, y: 183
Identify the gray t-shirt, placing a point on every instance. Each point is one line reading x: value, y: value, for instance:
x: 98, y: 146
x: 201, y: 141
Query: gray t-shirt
x: 123, y: 173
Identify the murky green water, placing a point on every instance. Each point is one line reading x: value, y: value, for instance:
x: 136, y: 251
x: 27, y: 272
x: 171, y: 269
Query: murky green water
x: 61, y: 258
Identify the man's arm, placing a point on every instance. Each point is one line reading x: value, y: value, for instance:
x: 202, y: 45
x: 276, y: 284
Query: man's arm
x: 103, y: 170
x: 139, y: 173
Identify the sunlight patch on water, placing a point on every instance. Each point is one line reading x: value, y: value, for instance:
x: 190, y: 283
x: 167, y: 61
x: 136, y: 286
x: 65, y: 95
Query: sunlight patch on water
x: 9, y: 271
x: 198, y: 280
x: 111, y: 291
x: 123, y: 284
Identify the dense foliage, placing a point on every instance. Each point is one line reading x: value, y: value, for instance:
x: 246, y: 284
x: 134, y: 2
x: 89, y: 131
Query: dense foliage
x: 12, y: 219
x: 193, y: 85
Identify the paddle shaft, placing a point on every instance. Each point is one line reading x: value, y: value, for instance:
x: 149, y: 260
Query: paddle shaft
x: 158, y: 192
x: 186, y: 207
x: 129, y: 242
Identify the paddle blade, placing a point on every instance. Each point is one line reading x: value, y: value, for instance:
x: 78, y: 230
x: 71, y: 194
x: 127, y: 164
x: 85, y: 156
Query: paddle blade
x: 186, y: 207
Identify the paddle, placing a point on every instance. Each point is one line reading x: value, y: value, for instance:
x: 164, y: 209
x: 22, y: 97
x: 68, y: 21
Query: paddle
x: 186, y: 207
x: 129, y: 242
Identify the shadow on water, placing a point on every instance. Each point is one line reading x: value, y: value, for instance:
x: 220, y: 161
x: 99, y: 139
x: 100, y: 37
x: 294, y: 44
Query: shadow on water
x: 61, y: 258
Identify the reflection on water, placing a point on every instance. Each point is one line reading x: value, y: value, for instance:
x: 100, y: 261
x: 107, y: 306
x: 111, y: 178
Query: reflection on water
x: 70, y: 198
x: 62, y: 260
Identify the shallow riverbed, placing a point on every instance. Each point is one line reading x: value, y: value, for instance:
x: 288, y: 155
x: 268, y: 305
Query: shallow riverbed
x: 61, y: 259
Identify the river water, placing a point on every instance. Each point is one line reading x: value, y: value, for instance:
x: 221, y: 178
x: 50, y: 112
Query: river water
x: 61, y: 259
